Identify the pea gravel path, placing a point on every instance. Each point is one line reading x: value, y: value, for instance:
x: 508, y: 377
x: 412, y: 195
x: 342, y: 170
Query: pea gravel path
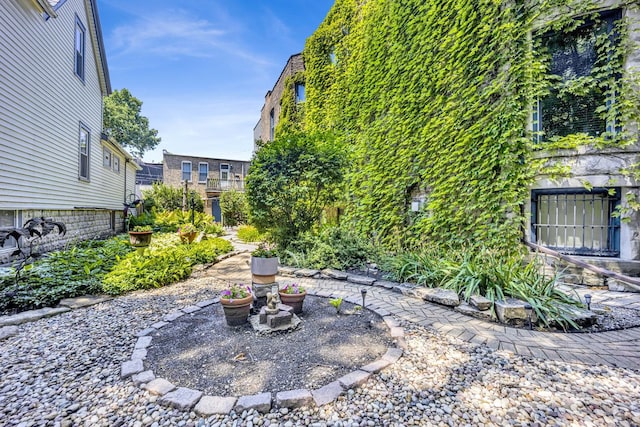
x: 64, y: 371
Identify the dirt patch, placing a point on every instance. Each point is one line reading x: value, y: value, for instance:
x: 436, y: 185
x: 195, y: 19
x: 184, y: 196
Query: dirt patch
x: 200, y: 351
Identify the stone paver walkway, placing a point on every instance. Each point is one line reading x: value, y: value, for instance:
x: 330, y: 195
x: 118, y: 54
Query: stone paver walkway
x: 614, y: 348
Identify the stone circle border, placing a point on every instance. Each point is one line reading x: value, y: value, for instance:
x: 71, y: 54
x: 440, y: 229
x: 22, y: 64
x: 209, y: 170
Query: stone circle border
x: 187, y: 399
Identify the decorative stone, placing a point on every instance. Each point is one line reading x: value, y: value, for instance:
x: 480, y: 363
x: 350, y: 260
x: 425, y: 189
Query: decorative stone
x: 8, y: 331
x: 390, y: 321
x: 396, y: 331
x: 261, y: 291
x: 143, y: 342
x: 294, y: 398
x: 392, y: 354
x: 83, y: 301
x: 480, y: 302
x: 354, y: 379
x: 361, y: 280
x: 131, y: 367
x: 287, y: 271
x: 159, y: 325
x: 140, y: 353
x: 143, y: 378
x: 335, y: 274
x: 207, y: 303
x: 31, y: 315
x: 376, y: 366
x: 181, y: 398
x: 215, y: 405
x: 191, y: 309
x: 327, y: 394
x: 146, y: 332
x: 280, y: 319
x: 512, y: 311
x: 258, y: 402
x: 173, y: 316
x: 440, y: 296
x: 306, y: 272
x: 469, y: 310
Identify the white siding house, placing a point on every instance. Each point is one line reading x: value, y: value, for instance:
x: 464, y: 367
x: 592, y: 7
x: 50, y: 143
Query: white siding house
x: 54, y: 159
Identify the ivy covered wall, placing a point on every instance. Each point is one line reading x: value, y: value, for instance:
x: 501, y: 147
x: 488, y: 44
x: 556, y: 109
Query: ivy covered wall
x: 434, y: 101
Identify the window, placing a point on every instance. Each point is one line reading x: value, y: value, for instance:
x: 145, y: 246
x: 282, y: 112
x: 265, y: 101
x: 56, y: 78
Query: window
x: 8, y: 219
x: 299, y: 92
x: 107, y: 158
x: 272, y: 124
x: 578, y: 68
x: 80, y: 36
x: 116, y: 164
x: 83, y: 152
x: 576, y: 221
x: 224, y: 171
x: 203, y: 172
x: 186, y: 171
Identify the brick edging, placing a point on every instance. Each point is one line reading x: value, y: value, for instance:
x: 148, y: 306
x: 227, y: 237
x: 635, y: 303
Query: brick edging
x: 188, y: 399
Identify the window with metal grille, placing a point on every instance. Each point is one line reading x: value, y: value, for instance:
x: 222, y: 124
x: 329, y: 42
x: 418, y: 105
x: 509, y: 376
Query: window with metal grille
x: 576, y: 221
x: 578, y: 86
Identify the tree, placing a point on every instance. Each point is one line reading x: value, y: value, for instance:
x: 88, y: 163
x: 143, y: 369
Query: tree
x: 233, y: 205
x: 123, y: 121
x: 165, y: 198
x: 291, y: 180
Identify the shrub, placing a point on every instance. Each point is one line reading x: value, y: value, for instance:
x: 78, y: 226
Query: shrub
x: 233, y: 205
x: 170, y: 221
x: 165, y: 262
x: 249, y: 234
x: 68, y: 273
x: 332, y: 247
x: 161, y: 197
x: 291, y: 180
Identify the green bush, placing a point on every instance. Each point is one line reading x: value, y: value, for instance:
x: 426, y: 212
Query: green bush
x: 161, y: 198
x: 170, y: 221
x: 68, y: 273
x: 332, y: 247
x: 249, y: 234
x: 165, y: 262
x: 233, y: 205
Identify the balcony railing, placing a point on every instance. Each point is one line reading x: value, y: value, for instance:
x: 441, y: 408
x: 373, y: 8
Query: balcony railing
x: 217, y: 184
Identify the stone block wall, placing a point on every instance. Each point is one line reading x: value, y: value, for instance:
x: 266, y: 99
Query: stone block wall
x: 81, y: 224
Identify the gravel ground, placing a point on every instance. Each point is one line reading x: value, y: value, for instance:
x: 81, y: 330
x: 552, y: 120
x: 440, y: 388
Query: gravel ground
x: 65, y: 371
x: 200, y: 351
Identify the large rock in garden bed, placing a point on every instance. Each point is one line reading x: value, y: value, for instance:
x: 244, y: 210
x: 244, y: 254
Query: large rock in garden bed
x: 511, y: 311
x: 472, y: 311
x: 439, y: 296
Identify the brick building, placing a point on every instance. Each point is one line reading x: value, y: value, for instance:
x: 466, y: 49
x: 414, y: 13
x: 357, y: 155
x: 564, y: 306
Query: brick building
x: 209, y: 177
x: 270, y: 113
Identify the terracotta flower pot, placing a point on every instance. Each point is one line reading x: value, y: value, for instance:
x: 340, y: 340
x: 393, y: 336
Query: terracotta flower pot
x: 293, y: 300
x: 264, y: 270
x: 236, y: 311
x: 140, y: 239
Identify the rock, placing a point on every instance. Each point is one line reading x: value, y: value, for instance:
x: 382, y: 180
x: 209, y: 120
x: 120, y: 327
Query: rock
x: 207, y: 303
x: 181, y: 398
x: 191, y: 309
x: 173, y: 316
x: 258, y: 402
x: 131, y: 367
x: 8, y: 331
x: 327, y: 394
x: 143, y: 378
x: 159, y: 386
x: 83, y: 301
x: 335, y: 274
x: 214, y: 405
x: 393, y: 354
x: 511, y: 311
x: 306, y: 272
x: 376, y: 366
x: 464, y: 308
x: 287, y: 271
x: 480, y: 302
x: 143, y: 342
x: 440, y: 296
x: 361, y: 280
x: 294, y: 398
x: 354, y: 379
x: 31, y: 315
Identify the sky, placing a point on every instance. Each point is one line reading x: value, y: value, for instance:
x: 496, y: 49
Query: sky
x: 202, y: 67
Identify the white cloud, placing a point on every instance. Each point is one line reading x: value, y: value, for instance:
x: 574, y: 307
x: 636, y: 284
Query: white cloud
x: 175, y: 34
x: 201, y: 128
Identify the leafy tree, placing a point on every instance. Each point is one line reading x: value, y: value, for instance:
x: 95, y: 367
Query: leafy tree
x: 166, y: 198
x: 123, y: 121
x: 233, y: 205
x: 291, y: 180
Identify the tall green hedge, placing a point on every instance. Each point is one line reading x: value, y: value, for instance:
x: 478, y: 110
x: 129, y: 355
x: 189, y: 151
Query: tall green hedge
x: 434, y: 98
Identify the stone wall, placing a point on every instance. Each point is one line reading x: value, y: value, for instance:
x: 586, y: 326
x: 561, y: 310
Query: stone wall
x: 81, y: 225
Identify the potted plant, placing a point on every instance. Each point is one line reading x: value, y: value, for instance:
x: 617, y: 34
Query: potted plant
x: 293, y: 296
x: 264, y: 265
x: 236, y: 302
x: 140, y: 236
x: 187, y: 233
